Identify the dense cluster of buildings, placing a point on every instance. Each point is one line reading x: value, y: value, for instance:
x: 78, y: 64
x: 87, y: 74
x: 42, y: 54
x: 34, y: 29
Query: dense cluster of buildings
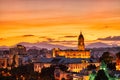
x: 15, y: 57
x: 77, y: 61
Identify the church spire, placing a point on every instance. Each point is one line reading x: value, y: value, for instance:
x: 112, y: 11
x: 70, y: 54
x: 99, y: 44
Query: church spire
x: 81, y: 35
x: 81, y: 45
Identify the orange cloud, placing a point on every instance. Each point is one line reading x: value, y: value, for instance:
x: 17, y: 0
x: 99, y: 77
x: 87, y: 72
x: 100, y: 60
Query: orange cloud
x: 57, y: 18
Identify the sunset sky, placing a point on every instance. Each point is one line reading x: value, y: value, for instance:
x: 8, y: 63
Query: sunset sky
x: 59, y: 21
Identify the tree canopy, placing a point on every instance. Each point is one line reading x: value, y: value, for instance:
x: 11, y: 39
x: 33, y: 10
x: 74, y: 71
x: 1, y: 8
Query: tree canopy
x: 101, y: 75
x: 106, y: 57
x: 118, y: 55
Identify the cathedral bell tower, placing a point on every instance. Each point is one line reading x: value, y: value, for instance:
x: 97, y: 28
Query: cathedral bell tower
x: 81, y: 45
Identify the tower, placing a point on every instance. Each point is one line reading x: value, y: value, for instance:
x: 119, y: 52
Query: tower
x: 81, y: 45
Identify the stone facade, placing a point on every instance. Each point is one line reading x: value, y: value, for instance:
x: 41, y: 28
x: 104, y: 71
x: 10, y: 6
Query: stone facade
x: 80, y: 53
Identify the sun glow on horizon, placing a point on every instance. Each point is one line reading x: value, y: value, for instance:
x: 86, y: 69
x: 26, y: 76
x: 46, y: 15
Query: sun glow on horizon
x: 58, y: 21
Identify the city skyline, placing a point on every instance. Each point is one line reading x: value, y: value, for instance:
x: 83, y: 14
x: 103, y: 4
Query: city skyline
x: 59, y: 21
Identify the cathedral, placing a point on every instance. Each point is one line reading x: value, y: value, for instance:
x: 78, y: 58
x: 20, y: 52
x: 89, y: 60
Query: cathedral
x: 80, y: 53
